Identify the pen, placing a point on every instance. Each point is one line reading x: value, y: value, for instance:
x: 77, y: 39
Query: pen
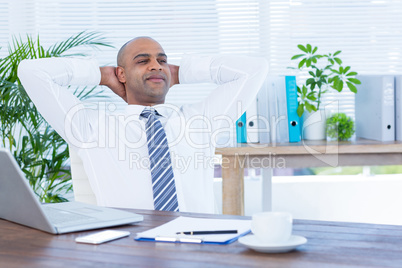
x: 208, y: 232
x: 196, y: 240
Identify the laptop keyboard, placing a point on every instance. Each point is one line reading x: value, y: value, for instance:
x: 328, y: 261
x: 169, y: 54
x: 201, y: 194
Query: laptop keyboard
x: 57, y: 216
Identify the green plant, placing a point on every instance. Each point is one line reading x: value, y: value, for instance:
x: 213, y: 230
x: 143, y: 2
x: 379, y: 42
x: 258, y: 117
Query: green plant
x: 323, y: 75
x: 41, y: 153
x: 340, y: 127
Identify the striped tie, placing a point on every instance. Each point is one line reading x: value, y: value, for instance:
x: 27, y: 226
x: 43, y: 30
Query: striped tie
x: 163, y: 184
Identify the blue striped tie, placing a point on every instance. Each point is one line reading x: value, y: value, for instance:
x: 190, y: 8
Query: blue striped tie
x: 163, y: 184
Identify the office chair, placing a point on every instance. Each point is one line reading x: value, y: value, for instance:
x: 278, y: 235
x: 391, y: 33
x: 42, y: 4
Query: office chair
x: 81, y: 187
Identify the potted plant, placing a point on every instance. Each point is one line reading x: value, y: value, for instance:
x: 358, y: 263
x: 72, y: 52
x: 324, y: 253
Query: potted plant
x: 325, y: 71
x: 340, y: 127
x: 40, y: 152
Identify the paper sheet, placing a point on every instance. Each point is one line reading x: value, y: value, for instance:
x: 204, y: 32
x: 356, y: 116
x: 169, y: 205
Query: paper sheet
x: 184, y: 224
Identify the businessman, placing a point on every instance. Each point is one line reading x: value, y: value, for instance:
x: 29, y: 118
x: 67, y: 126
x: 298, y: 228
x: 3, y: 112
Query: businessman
x: 153, y: 155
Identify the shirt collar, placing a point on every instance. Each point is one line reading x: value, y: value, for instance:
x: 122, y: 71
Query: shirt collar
x: 164, y: 110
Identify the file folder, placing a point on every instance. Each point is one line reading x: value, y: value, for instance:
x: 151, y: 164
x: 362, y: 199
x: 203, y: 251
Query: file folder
x: 277, y: 110
x: 398, y: 107
x: 375, y: 107
x: 280, y: 87
x: 264, y: 133
x: 292, y: 105
x: 252, y: 123
x: 241, y: 130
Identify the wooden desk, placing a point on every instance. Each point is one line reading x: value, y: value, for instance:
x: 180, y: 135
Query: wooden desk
x: 330, y: 244
x: 296, y: 155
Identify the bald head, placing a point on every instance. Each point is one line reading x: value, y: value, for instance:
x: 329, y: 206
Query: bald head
x: 121, y: 55
x: 143, y: 69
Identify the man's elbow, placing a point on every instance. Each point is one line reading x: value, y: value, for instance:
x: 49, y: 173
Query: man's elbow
x: 25, y: 68
x: 259, y: 66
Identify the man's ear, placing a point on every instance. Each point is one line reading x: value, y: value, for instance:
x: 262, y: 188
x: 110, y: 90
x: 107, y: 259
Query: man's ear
x: 121, y: 74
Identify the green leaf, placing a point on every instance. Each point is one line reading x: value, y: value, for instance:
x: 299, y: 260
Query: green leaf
x: 352, y: 87
x: 308, y: 62
x: 337, y: 53
x: 310, y: 107
x: 297, y: 56
x: 311, y: 73
x: 340, y: 85
x: 311, y: 97
x: 346, y: 69
x: 300, y: 110
x: 301, y: 63
x: 351, y: 74
x: 338, y: 60
x: 304, y: 90
x: 302, y: 48
x: 314, y: 50
x: 335, y: 71
x: 310, y: 81
x: 354, y: 80
x: 309, y: 48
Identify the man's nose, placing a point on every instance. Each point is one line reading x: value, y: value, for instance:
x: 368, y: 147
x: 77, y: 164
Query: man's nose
x: 155, y: 65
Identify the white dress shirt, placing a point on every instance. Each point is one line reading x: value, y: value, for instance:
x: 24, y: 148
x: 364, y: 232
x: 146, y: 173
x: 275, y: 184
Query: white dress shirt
x: 113, y: 146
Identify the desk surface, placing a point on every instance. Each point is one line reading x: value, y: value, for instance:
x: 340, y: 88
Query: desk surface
x: 362, y: 146
x: 330, y: 244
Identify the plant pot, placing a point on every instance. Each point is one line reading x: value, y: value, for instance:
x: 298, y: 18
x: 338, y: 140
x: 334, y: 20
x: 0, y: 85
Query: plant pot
x: 314, y: 124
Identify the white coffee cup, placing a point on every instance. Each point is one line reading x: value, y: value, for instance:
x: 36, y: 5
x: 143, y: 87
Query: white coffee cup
x: 272, y: 227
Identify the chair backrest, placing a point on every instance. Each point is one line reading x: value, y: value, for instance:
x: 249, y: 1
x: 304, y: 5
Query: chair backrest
x: 81, y: 187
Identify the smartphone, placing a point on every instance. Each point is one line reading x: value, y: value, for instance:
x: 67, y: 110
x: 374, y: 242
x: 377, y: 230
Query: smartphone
x: 102, y: 237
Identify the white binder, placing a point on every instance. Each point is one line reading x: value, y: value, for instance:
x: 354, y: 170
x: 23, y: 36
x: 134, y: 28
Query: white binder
x: 272, y: 110
x: 252, y: 123
x: 375, y: 107
x: 398, y: 107
x: 264, y: 134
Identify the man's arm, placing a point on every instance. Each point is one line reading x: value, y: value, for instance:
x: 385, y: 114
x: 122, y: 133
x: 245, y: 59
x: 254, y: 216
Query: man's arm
x: 239, y: 79
x: 46, y: 80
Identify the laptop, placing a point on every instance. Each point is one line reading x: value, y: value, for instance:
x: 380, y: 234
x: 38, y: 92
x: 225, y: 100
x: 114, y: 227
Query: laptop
x: 19, y: 204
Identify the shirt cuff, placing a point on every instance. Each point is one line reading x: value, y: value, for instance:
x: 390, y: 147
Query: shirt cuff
x: 195, y: 69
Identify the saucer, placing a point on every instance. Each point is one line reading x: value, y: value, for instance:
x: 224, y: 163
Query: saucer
x: 252, y: 242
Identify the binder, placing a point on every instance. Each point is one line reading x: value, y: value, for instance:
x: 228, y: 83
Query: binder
x: 168, y: 232
x: 294, y: 122
x: 375, y: 107
x: 241, y: 130
x: 398, y: 107
x: 264, y: 133
x: 252, y: 123
x: 277, y: 109
x: 282, y: 119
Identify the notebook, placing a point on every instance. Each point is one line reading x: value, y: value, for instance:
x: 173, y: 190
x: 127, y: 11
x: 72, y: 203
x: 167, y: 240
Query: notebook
x: 171, y: 231
x: 19, y: 204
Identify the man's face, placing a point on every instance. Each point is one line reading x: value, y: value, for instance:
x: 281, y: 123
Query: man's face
x: 145, y: 72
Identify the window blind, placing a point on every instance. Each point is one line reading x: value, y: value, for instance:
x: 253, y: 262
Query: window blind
x: 368, y: 32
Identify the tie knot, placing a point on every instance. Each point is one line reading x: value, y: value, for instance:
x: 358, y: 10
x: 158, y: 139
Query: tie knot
x: 147, y: 112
